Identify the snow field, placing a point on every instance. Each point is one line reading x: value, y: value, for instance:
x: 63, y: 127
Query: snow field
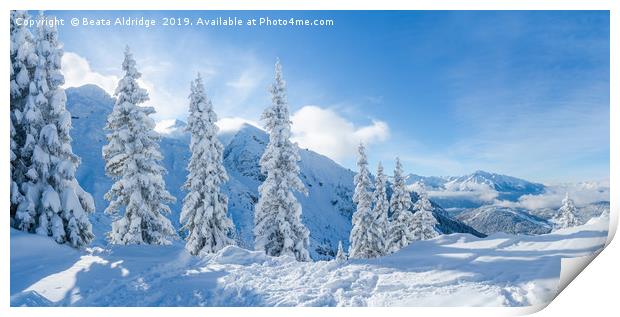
x: 450, y: 270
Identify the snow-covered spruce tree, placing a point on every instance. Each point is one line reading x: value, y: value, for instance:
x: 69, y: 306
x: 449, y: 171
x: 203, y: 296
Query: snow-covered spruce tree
x: 567, y: 214
x: 379, y: 227
x: 132, y: 159
x: 400, y: 205
x: 23, y: 60
x: 16, y: 195
x: 277, y: 215
x: 360, y: 242
x: 52, y: 193
x: 423, y: 222
x: 340, y: 255
x: 205, y: 208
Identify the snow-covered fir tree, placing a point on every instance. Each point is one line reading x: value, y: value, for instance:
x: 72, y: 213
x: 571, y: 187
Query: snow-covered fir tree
x: 567, y: 214
x: 16, y: 196
x: 362, y: 241
x: 54, y: 204
x: 23, y: 61
x: 205, y: 207
x: 132, y: 159
x: 379, y: 227
x: 423, y: 222
x: 400, y: 234
x: 278, y: 229
x: 340, y: 255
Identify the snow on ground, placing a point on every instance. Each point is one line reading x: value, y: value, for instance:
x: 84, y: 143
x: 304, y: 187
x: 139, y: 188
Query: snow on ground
x: 451, y: 270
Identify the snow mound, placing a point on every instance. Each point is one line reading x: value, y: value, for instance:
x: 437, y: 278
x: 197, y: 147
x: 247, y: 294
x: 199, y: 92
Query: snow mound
x: 239, y: 256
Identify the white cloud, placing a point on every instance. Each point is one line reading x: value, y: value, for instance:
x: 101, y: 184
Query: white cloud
x: 166, y: 104
x: 473, y: 192
x: 488, y: 195
x: 77, y: 73
x: 582, y: 193
x: 165, y: 126
x: 232, y: 124
x: 326, y: 132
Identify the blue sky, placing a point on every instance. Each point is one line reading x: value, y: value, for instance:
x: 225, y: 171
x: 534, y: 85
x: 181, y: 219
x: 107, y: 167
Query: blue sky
x: 521, y: 93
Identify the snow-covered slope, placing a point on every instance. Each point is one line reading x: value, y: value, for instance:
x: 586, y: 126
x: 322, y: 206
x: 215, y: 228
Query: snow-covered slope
x: 451, y: 270
x: 89, y: 106
x: 491, y: 219
x: 327, y: 209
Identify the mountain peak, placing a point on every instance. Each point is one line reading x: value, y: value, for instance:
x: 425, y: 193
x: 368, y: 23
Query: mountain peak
x: 247, y: 128
x: 173, y: 128
x: 483, y: 173
x: 89, y: 90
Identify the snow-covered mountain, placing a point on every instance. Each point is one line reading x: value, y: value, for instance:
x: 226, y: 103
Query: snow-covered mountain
x: 327, y: 209
x: 476, y: 189
x: 172, y: 128
x: 492, y: 219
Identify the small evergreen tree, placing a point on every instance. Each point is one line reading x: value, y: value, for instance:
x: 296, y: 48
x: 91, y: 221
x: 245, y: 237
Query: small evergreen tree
x: 53, y: 200
x: 400, y: 204
x: 379, y: 227
x: 205, y: 207
x: 424, y: 222
x: 567, y: 214
x: 278, y: 229
x: 360, y: 240
x: 340, y: 255
x: 132, y: 159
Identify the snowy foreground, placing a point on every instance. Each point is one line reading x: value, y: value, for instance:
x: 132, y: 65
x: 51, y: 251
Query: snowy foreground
x: 451, y: 270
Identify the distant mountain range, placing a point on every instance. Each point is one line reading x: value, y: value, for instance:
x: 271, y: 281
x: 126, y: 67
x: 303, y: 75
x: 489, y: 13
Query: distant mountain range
x: 476, y: 189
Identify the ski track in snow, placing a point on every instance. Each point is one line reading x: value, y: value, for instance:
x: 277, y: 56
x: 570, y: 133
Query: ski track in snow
x: 451, y: 270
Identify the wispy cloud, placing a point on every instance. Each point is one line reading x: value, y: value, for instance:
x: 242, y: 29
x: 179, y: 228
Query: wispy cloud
x: 230, y: 124
x: 77, y: 72
x: 582, y: 193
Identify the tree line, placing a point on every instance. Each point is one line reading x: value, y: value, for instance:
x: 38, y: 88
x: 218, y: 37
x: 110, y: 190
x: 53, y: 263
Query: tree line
x: 47, y: 199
